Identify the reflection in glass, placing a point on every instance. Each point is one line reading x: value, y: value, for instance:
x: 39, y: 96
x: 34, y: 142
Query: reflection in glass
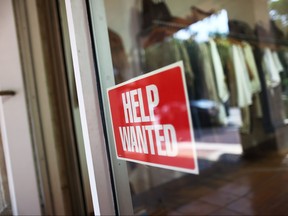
x: 235, y: 59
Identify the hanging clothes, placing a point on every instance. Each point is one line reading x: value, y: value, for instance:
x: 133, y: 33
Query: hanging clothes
x: 255, y: 81
x: 200, y: 90
x: 224, y: 49
x: 167, y: 52
x: 270, y: 69
x: 283, y: 57
x: 210, y: 80
x: 220, y: 78
x: 250, y: 61
x: 243, y: 85
x: 277, y: 61
x: 208, y: 73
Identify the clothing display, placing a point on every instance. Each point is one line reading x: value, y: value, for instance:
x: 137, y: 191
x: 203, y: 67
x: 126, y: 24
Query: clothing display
x: 220, y: 79
x: 207, y: 71
x: 224, y: 70
x: 251, y: 64
x: 283, y: 57
x: 196, y: 62
x: 169, y: 51
x: 270, y: 68
x: 244, y: 89
x: 233, y: 68
x: 277, y: 62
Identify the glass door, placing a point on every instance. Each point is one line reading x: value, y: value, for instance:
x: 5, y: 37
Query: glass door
x: 231, y: 69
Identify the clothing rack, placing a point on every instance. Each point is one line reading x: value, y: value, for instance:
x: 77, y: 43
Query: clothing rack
x: 169, y: 24
x: 259, y: 39
x: 270, y: 126
x: 160, y: 23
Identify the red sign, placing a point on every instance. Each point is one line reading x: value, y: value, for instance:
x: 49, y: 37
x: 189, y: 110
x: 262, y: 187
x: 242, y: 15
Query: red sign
x: 151, y: 120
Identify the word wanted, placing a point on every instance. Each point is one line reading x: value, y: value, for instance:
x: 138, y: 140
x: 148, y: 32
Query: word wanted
x: 152, y: 138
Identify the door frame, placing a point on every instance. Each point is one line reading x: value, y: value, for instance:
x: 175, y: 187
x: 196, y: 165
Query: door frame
x: 105, y: 72
x: 86, y: 70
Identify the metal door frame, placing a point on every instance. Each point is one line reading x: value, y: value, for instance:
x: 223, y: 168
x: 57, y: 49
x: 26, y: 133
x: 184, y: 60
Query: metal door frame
x: 93, y: 67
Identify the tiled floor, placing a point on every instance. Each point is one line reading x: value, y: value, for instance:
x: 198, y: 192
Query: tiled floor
x: 254, y: 187
x: 258, y: 187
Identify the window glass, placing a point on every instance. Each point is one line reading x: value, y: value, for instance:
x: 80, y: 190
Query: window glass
x: 235, y: 59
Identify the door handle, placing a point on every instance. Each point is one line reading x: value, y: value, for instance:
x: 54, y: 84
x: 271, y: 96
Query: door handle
x: 7, y: 93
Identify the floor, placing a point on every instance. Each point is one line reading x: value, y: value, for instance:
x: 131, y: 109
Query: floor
x: 249, y: 187
x: 228, y: 184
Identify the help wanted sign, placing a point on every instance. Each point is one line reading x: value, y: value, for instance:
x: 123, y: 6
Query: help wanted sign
x: 151, y: 120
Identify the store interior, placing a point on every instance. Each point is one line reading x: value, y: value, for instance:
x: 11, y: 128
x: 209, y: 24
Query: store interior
x: 235, y: 57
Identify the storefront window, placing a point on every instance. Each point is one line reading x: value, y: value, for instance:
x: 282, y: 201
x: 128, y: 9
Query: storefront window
x: 235, y: 61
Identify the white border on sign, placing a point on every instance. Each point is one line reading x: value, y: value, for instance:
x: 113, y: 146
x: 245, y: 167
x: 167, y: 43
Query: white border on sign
x: 193, y: 145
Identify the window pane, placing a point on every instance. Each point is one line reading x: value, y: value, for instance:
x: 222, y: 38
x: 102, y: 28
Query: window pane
x: 235, y: 60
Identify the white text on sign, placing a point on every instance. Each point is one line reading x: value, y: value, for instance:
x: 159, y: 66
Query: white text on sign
x: 130, y: 104
x: 140, y: 139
